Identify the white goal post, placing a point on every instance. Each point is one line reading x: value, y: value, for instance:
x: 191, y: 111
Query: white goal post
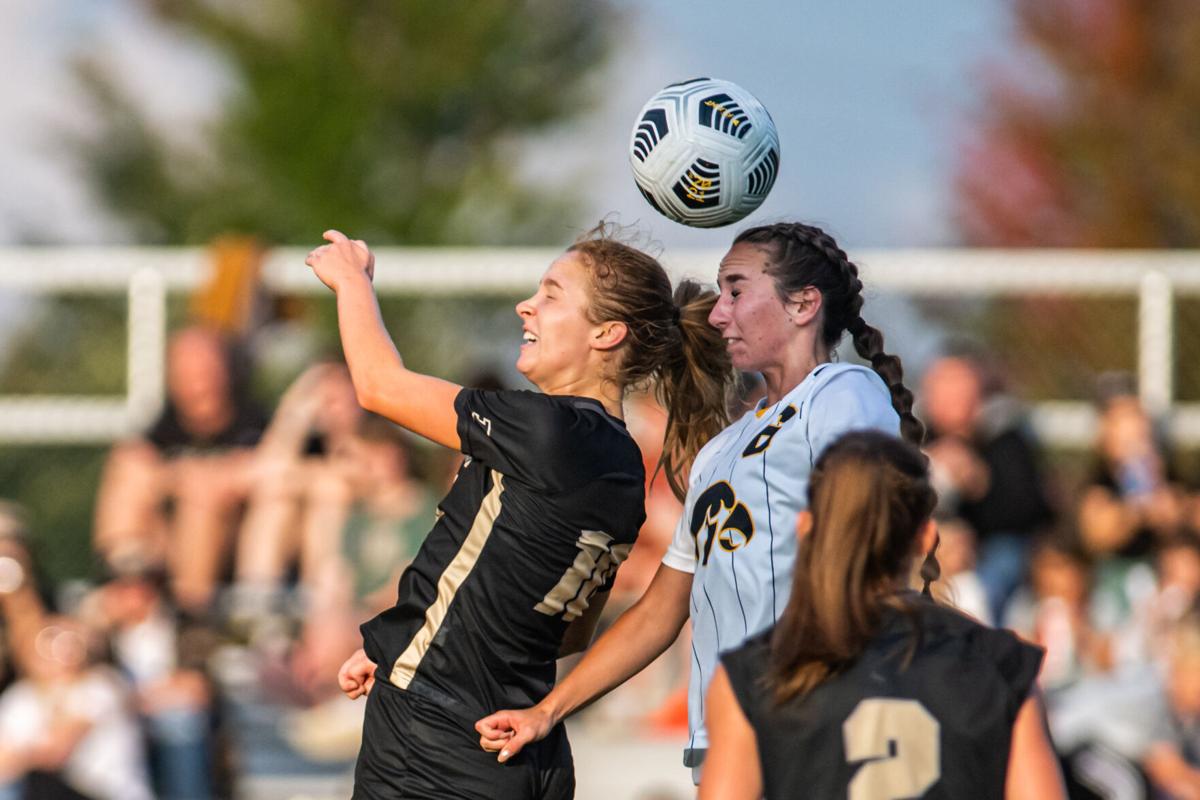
x: 146, y: 275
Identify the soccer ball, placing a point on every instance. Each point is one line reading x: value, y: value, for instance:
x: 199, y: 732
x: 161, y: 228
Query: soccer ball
x: 704, y: 152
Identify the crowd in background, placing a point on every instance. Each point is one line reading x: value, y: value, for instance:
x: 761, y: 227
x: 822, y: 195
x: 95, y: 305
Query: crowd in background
x: 238, y: 550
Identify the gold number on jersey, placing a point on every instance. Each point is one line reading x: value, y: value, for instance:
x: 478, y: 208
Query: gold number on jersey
x: 595, y: 564
x: 899, y: 741
x: 718, y: 515
x: 763, y: 440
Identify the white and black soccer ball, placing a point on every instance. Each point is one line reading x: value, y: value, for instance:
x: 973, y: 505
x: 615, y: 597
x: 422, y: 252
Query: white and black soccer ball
x: 704, y: 152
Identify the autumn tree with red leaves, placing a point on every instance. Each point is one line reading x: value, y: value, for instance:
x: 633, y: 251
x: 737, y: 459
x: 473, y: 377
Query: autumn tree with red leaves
x: 1092, y: 139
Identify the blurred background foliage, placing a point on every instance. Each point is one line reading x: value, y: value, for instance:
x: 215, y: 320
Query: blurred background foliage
x: 1089, y: 139
x: 399, y: 120
x: 402, y: 121
x: 1086, y: 137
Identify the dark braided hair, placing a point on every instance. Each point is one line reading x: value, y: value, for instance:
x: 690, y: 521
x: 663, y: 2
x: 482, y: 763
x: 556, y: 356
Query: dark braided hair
x: 804, y: 255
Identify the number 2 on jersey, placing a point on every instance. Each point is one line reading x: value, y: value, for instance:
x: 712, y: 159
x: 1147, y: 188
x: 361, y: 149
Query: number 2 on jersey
x: 873, y: 729
x: 595, y: 564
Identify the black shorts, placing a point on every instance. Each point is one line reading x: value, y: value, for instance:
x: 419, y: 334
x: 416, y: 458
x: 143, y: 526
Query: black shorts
x: 414, y: 748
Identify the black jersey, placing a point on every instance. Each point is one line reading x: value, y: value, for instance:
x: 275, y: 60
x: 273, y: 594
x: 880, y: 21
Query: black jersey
x: 547, y: 504
x: 938, y: 726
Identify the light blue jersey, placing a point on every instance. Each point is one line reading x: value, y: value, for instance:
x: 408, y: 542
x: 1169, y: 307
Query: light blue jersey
x: 738, y: 530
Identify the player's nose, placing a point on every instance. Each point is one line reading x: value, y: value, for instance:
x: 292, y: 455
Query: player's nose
x: 719, y: 316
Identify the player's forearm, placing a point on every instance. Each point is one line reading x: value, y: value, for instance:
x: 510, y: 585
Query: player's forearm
x: 622, y: 652
x: 420, y: 403
x: 639, y: 636
x: 370, y: 352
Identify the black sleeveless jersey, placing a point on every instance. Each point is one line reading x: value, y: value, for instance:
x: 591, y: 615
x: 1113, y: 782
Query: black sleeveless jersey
x: 547, y: 504
x: 936, y: 726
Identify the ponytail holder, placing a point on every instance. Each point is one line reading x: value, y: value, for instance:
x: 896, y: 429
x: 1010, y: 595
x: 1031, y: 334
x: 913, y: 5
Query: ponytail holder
x: 676, y: 315
x: 857, y: 326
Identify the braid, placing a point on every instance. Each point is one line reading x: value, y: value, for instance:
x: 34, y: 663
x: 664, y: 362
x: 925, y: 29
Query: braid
x: 868, y: 342
x: 804, y: 255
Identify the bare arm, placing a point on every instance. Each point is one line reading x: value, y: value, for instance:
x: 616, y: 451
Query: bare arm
x: 638, y: 637
x: 52, y: 750
x: 731, y: 768
x: 1033, y: 771
x: 420, y: 403
x: 580, y: 632
x: 1171, y: 773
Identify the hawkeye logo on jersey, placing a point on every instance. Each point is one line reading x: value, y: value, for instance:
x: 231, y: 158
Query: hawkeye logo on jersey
x: 719, y: 516
x: 761, y: 442
x: 484, y: 422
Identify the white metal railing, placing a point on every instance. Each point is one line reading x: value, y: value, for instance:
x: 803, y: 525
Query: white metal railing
x: 147, y: 275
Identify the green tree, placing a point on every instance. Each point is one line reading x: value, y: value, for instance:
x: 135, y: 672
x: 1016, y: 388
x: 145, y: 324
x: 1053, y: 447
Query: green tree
x: 396, y: 119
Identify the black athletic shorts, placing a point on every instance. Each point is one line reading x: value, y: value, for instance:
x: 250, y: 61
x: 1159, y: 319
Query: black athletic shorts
x: 415, y: 748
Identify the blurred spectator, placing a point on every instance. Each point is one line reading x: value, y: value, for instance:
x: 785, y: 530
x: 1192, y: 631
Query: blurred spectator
x: 65, y: 727
x: 956, y: 558
x: 1132, y: 497
x: 1178, y: 575
x: 986, y: 470
x: 175, y: 493
x: 1135, y: 734
x: 300, y: 482
x: 1172, y: 759
x: 22, y: 602
x: 391, y: 513
x: 165, y: 670
x: 1144, y: 632
x: 1056, y: 611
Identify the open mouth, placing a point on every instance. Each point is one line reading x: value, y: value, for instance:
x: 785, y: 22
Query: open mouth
x: 528, y: 338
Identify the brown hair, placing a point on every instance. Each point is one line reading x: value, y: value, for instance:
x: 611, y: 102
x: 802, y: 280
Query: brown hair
x: 669, y: 344
x: 804, y: 255
x: 869, y: 494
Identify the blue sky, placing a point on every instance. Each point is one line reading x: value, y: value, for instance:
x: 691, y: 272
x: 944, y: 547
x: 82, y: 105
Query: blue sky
x: 869, y: 96
x: 870, y: 99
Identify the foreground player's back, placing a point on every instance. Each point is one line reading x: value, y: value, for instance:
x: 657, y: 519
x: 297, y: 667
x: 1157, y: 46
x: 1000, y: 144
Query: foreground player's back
x: 926, y: 711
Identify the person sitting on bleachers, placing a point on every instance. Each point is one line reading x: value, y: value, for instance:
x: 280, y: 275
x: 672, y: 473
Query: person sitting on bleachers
x: 175, y: 492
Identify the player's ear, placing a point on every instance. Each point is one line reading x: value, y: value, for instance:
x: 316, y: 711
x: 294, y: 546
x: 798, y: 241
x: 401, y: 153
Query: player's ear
x: 804, y: 305
x: 804, y: 524
x: 608, y: 335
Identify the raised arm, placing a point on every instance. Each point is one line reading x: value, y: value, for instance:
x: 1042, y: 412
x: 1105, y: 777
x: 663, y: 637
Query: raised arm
x: 420, y: 403
x: 638, y: 637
